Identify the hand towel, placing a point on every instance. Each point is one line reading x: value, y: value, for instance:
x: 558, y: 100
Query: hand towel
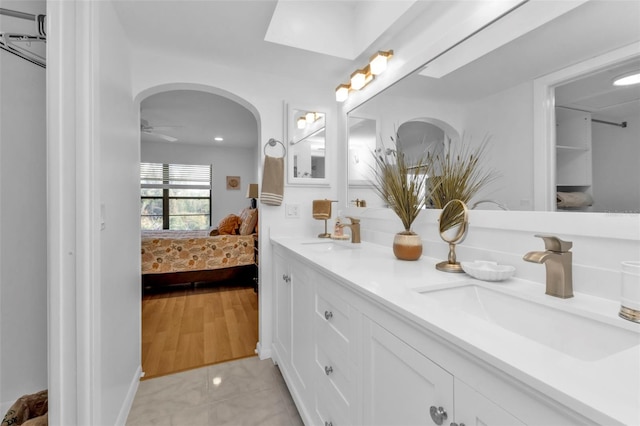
x: 272, y: 181
x: 321, y: 209
x: 574, y: 199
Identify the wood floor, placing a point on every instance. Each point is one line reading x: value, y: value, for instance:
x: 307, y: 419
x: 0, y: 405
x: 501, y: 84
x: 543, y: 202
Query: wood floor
x: 189, y: 328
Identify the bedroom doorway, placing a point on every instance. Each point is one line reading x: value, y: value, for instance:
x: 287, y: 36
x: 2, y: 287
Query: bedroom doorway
x: 186, y: 326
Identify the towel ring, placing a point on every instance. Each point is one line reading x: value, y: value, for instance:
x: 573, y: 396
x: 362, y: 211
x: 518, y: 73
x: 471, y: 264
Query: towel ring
x: 273, y: 142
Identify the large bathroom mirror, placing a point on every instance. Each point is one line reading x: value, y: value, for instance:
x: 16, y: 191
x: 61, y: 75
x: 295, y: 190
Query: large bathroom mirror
x: 493, y: 96
x: 306, y: 146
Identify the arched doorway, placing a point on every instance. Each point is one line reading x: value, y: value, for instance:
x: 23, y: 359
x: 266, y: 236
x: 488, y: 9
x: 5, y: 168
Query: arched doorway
x: 198, y: 323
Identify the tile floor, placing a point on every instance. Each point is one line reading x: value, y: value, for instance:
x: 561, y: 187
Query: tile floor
x: 242, y: 392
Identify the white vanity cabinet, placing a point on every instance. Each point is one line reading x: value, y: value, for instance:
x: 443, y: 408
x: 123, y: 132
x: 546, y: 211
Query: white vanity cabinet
x: 473, y: 408
x: 336, y: 355
x: 350, y: 359
x: 400, y: 384
x: 293, y: 341
x: 282, y: 311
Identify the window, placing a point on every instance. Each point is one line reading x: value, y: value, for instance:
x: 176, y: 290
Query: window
x: 175, y: 196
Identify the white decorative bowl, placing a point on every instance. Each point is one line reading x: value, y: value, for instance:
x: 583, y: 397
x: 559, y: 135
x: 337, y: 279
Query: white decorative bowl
x: 487, y: 271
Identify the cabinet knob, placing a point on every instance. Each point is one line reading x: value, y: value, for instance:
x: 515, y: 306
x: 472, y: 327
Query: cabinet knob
x: 328, y: 370
x: 286, y: 278
x: 438, y: 415
x: 328, y: 315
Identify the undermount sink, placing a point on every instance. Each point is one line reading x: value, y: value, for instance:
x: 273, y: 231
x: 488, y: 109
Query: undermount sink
x: 327, y: 245
x: 577, y: 336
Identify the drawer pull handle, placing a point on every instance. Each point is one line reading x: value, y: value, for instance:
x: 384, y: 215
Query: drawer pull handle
x: 438, y: 414
x: 286, y: 278
x: 328, y: 315
x: 331, y: 424
x: 328, y: 370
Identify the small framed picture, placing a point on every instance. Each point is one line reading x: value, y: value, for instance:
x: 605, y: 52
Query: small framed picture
x: 233, y: 182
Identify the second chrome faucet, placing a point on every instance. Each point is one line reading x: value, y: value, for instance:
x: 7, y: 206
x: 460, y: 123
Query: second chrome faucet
x: 558, y: 261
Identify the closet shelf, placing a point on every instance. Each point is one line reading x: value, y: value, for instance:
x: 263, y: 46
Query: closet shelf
x: 572, y: 148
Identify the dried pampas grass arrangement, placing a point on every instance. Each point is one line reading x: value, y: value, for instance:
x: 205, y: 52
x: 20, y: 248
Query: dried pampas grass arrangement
x: 461, y: 174
x: 403, y: 186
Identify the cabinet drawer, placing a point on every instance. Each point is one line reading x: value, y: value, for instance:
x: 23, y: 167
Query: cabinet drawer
x: 335, y: 371
x: 330, y: 340
x: 330, y: 408
x: 334, y: 311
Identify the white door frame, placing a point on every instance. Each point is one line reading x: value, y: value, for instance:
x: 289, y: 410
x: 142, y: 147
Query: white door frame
x: 72, y: 236
x: 544, y: 119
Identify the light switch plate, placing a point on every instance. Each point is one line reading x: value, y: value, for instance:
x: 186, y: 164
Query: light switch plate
x: 292, y: 210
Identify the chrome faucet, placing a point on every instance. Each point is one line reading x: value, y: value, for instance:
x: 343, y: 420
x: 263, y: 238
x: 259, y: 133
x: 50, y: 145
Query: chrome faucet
x: 558, y: 260
x: 355, y: 229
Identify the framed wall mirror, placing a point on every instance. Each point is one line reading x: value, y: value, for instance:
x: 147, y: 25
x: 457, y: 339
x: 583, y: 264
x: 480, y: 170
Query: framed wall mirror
x: 306, y: 147
x: 492, y: 95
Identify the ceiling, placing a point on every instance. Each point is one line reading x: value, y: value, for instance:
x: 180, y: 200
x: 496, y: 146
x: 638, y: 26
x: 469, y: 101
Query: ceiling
x: 196, y: 117
x: 318, y: 39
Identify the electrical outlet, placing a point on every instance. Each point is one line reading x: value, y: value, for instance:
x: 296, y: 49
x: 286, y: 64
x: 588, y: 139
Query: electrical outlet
x: 292, y: 210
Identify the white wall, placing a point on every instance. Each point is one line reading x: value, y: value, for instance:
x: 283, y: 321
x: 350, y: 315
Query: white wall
x: 225, y: 161
x: 118, y: 291
x: 616, y: 166
x: 23, y: 280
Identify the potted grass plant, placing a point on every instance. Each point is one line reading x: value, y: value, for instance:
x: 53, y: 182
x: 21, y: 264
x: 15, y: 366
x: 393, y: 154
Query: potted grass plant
x: 404, y: 186
x: 460, y: 175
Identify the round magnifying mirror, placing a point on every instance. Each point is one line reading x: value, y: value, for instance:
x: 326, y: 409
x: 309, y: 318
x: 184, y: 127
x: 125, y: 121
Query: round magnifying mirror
x: 454, y: 221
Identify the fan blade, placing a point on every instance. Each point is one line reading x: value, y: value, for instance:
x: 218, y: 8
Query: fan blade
x: 166, y: 137
x: 159, y: 135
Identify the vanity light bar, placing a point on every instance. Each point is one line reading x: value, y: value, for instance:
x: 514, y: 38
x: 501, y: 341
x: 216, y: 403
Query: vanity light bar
x: 378, y: 62
x: 307, y: 118
x: 361, y: 77
x: 342, y: 92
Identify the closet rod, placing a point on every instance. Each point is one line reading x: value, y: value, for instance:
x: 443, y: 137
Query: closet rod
x: 17, y: 14
x: 623, y: 124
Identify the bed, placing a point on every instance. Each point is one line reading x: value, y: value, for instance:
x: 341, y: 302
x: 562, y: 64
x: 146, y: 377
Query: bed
x: 179, y: 257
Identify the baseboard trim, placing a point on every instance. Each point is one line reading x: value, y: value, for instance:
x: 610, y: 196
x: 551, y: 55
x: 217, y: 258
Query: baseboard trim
x: 128, y: 401
x: 263, y: 353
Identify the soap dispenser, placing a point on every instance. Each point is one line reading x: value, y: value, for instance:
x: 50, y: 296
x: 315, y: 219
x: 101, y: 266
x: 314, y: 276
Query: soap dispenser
x: 338, y: 231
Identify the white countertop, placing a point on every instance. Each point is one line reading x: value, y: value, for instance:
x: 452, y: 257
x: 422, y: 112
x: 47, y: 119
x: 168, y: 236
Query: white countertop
x: 606, y: 390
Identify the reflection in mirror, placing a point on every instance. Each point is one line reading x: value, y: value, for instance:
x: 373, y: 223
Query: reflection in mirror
x: 362, y: 143
x: 454, y: 221
x: 307, y: 145
x: 597, y: 149
x: 418, y: 137
x: 492, y: 95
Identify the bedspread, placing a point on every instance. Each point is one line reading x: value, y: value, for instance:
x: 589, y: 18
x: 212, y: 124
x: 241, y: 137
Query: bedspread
x: 194, y: 251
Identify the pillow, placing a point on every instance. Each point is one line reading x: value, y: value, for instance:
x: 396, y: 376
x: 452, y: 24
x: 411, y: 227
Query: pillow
x: 229, y: 224
x: 249, y: 222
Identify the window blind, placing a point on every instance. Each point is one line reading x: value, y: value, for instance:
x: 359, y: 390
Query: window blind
x: 175, y: 176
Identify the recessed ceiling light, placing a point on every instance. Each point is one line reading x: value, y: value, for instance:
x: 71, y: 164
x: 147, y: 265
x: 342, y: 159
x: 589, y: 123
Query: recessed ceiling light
x: 628, y: 79
x: 218, y: 139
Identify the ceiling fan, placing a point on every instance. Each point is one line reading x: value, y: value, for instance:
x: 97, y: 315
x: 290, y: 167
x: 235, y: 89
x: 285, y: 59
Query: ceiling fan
x: 151, y: 130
